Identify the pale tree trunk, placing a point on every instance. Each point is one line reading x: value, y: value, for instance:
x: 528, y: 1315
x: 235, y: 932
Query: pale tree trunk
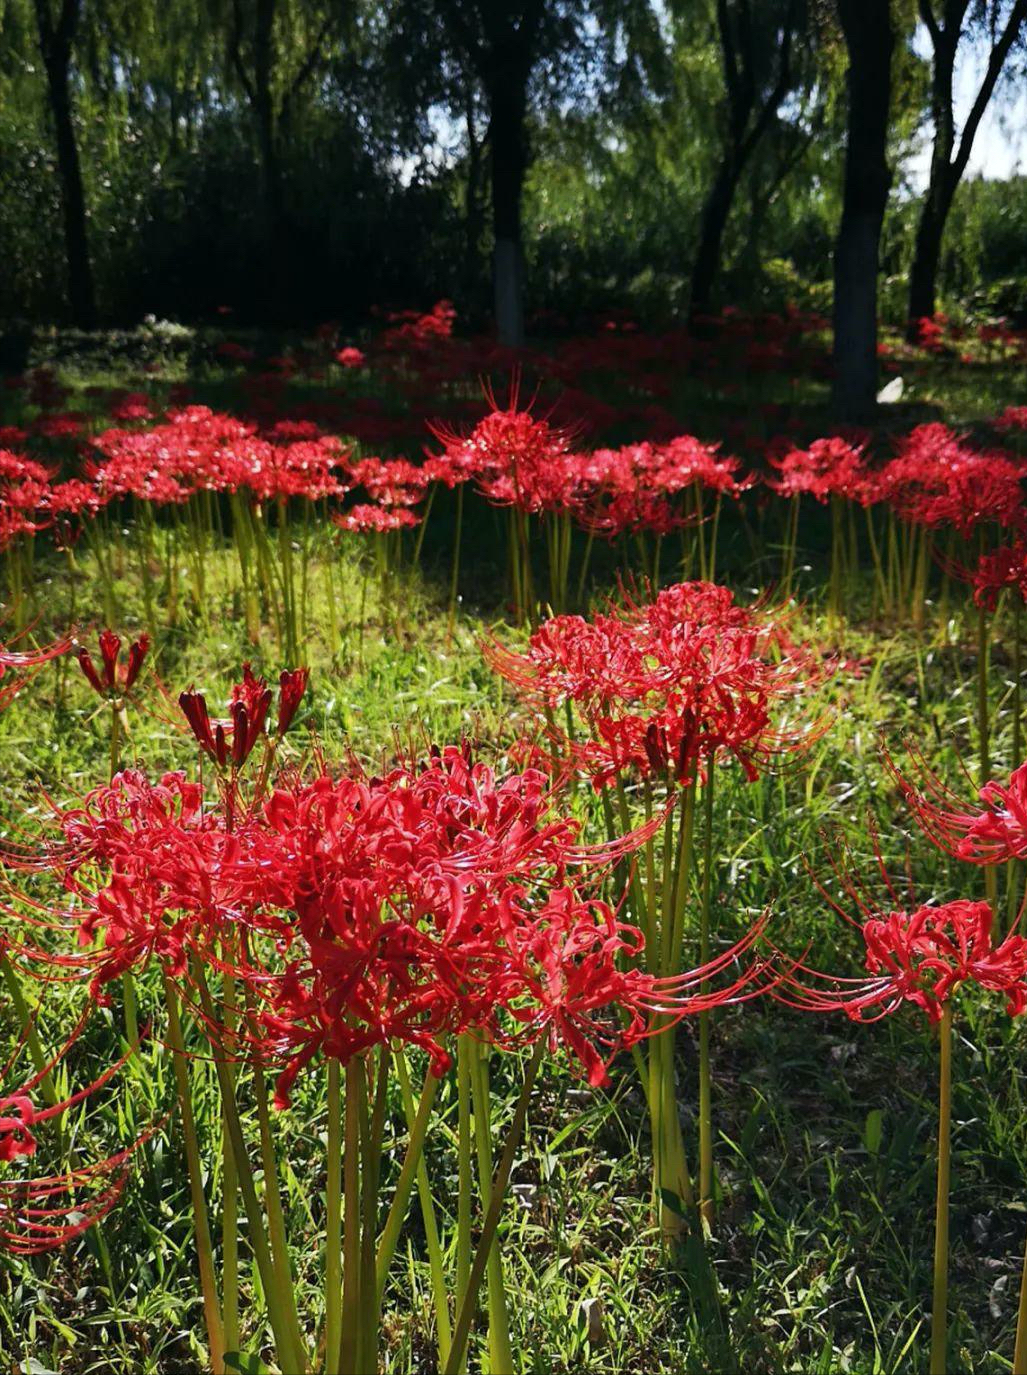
x: 870, y: 40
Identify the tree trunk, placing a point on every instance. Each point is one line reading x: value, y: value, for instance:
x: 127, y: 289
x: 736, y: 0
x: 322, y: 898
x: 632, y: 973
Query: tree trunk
x: 264, y: 112
x: 508, y: 147
x: 934, y: 211
x: 923, y: 276
x: 55, y: 46
x: 870, y: 40
x: 715, y: 216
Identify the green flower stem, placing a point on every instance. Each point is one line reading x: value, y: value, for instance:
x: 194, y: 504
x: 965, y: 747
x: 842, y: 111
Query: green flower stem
x: 462, y: 1330
x: 939, y: 1305
x: 465, y: 1182
x: 194, y: 1166
x: 333, y: 1221
x: 500, y: 1354
x: 291, y: 1356
x: 431, y: 1229
x: 349, y: 1347
x: 412, y: 1163
x: 705, y: 1077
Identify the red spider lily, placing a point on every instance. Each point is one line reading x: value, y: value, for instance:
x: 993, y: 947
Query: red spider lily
x: 1003, y: 567
x: 350, y: 357
x: 829, y: 467
x: 1013, y: 418
x: 363, y: 518
x: 232, y: 740
x: 990, y: 832
x: 31, y: 1218
x: 562, y: 975
x: 937, y: 481
x: 665, y: 685
x: 19, y: 1117
x: 114, y: 679
x: 921, y: 957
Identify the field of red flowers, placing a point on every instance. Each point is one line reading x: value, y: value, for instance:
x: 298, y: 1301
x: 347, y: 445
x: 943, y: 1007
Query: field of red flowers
x: 512, y: 863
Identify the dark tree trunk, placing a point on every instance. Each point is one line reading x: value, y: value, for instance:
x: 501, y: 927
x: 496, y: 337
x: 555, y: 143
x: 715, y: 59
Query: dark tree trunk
x: 264, y: 115
x: 508, y: 161
x: 934, y: 211
x: 748, y: 119
x: 923, y: 276
x: 948, y: 161
x: 55, y: 43
x: 870, y: 40
x: 716, y: 212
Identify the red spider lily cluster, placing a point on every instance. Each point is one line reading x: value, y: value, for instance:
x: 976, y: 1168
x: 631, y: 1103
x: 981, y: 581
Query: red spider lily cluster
x: 938, y: 481
x: 829, y: 467
x: 436, y: 900
x: 920, y: 957
x: 997, y: 570
x: 666, y: 685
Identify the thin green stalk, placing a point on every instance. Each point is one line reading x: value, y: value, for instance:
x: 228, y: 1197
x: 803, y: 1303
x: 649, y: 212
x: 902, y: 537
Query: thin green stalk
x: 347, y: 1362
x: 705, y: 1077
x: 939, y: 1304
x: 462, y: 1329
x: 273, y: 1207
x: 194, y: 1168
x: 431, y: 1230
x: 411, y: 1164
x: 291, y: 1356
x: 333, y: 1221
x: 465, y: 1182
x: 371, y: 1132
x: 500, y: 1354
x: 230, y: 1203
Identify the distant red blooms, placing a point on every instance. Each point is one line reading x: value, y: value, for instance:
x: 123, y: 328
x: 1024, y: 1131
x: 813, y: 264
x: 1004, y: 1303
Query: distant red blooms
x: 921, y: 957
x: 518, y: 459
x: 829, y: 467
x: 350, y: 358
x: 664, y: 686
x: 1012, y: 419
x: 938, y: 481
x: 113, y: 679
x: 363, y: 518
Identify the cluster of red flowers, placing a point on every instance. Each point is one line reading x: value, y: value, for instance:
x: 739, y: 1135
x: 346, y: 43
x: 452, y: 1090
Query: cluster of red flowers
x: 513, y: 458
x: 665, y: 685
x: 998, y: 569
x: 920, y: 957
x: 362, y: 910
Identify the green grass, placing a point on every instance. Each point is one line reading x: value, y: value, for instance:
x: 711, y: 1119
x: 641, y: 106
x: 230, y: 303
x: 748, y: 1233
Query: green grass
x: 825, y: 1130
